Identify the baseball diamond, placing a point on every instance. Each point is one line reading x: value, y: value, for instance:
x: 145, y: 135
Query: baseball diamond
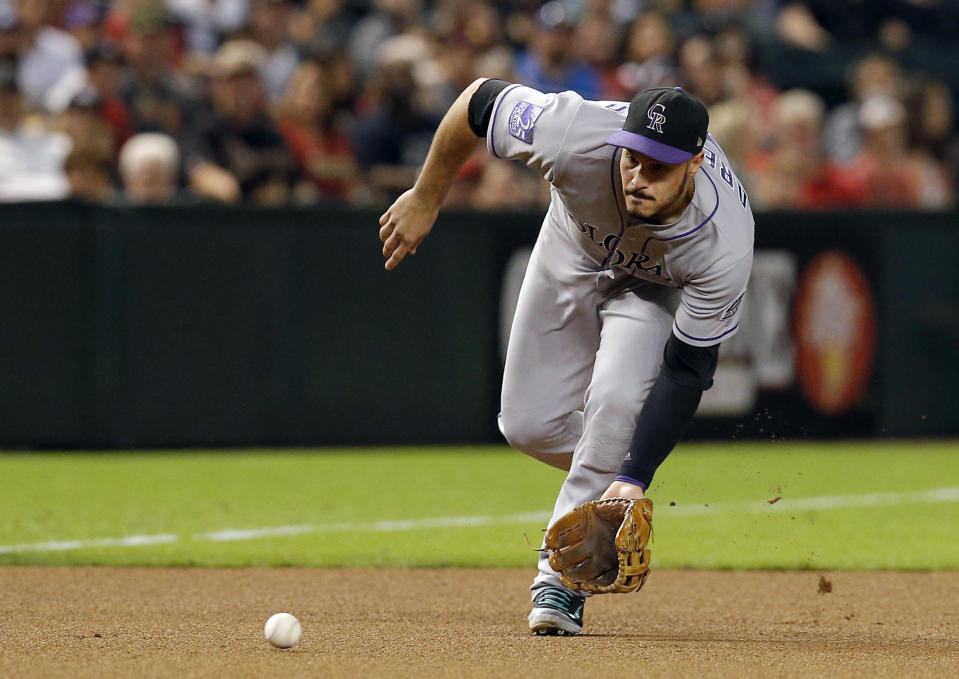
x: 114, y: 622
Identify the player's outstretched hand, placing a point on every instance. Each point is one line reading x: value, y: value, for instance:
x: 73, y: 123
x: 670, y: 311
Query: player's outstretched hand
x: 404, y: 225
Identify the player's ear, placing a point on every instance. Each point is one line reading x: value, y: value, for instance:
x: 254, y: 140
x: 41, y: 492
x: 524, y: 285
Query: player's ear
x: 695, y: 163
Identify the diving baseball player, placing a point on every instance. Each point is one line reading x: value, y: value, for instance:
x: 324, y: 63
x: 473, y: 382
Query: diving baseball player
x: 637, y: 275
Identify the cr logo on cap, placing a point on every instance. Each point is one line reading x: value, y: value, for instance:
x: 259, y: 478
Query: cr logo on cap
x: 656, y: 119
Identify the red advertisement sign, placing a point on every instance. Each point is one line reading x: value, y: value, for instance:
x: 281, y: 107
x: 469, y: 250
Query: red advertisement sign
x: 834, y: 322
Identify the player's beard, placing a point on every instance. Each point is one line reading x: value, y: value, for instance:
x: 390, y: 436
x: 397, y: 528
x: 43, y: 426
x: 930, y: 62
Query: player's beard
x: 663, y: 212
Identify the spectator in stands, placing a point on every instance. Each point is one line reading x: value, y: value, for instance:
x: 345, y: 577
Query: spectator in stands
x: 474, y: 23
x: 597, y: 42
x: 464, y: 34
x: 83, y: 120
x: 83, y: 19
x: 894, y: 24
x: 90, y: 174
x: 150, y: 169
x: 158, y: 91
x: 883, y: 171
x: 392, y: 138
x: 205, y: 21
x: 344, y: 83
x: 440, y: 79
x: 740, y: 81
x: 797, y: 26
x: 620, y: 12
x: 497, y: 63
x: 413, y: 57
x: 549, y: 63
x: 795, y: 174
x: 649, y: 56
x: 875, y: 74
x: 461, y: 33
x: 50, y: 69
x: 733, y: 124
x: 105, y: 67
x: 234, y: 151
x: 269, y: 24
x: 31, y: 158
x: 700, y: 70
x: 387, y: 19
x: 932, y: 144
x: 324, y: 155
x: 322, y: 26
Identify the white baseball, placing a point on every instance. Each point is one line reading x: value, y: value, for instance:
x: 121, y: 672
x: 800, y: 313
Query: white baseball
x: 282, y: 630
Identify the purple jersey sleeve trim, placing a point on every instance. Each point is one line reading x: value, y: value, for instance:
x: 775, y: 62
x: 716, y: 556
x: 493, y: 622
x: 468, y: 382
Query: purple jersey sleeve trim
x: 629, y: 479
x: 704, y: 339
x: 492, y: 123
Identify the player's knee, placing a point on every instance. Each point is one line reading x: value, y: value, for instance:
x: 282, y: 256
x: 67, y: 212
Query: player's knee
x: 529, y: 435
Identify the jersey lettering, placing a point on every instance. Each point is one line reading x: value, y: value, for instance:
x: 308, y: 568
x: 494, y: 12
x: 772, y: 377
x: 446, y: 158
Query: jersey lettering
x: 637, y: 260
x: 726, y: 174
x: 710, y: 158
x: 588, y: 229
x: 611, y: 241
x: 633, y: 261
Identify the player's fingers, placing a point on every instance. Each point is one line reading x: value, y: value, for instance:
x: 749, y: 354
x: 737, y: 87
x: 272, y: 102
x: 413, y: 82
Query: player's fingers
x: 385, y: 217
x: 385, y: 231
x: 390, y: 244
x: 398, y: 254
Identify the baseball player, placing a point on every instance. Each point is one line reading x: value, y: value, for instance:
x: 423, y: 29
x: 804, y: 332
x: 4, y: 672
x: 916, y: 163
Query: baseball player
x: 637, y: 275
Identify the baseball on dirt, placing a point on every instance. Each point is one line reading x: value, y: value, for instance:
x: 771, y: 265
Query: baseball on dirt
x: 282, y: 630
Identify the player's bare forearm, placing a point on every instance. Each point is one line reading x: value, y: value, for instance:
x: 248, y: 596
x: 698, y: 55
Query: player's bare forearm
x: 453, y: 143
x: 410, y: 218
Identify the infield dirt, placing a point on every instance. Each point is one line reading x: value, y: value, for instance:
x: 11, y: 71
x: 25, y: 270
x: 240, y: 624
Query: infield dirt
x: 144, y: 622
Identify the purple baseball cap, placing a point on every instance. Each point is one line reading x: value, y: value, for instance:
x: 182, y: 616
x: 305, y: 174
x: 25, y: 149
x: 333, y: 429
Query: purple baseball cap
x: 665, y: 123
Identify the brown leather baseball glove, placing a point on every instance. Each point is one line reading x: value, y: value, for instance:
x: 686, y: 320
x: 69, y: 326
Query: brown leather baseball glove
x: 600, y: 546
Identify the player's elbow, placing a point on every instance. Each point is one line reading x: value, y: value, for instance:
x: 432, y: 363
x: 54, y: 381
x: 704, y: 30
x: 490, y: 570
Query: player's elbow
x: 691, y: 366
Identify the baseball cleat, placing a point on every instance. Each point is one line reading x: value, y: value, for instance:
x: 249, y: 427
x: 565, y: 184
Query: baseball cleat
x: 557, y: 612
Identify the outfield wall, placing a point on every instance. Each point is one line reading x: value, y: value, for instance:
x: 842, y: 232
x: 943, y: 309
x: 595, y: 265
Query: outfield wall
x: 219, y: 326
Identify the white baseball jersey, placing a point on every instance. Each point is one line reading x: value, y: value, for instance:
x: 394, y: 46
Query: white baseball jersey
x: 707, y: 252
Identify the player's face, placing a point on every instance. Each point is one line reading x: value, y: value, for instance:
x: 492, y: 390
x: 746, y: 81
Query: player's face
x: 656, y: 192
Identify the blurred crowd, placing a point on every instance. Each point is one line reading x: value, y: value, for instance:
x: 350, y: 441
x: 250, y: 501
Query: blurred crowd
x: 820, y: 104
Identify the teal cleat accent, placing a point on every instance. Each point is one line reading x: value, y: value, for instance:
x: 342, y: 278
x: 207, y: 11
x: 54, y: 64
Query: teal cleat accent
x: 557, y: 612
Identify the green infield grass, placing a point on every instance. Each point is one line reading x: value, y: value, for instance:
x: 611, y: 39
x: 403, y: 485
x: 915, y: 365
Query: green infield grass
x: 740, y: 505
